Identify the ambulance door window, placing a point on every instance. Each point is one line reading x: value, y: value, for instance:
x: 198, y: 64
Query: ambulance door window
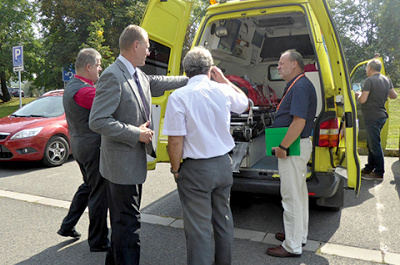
x: 157, y: 61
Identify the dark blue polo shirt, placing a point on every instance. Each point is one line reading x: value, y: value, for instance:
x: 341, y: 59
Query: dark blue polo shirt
x: 300, y: 101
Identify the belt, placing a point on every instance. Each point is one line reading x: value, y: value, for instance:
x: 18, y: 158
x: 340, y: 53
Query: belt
x: 189, y: 158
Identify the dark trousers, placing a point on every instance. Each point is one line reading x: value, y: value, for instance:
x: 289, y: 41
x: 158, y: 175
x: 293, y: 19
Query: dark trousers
x: 92, y: 194
x: 375, y: 153
x: 124, y: 204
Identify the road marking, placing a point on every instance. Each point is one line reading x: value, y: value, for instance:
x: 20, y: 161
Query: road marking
x: 257, y: 236
x: 380, y: 212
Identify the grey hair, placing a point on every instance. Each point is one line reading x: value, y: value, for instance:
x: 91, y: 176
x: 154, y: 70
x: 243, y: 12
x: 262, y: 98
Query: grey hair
x: 197, y: 61
x: 86, y: 56
x: 296, y: 56
x: 375, y: 64
x: 131, y: 34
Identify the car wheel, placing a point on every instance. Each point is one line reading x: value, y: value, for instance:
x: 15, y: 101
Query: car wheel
x: 56, y: 152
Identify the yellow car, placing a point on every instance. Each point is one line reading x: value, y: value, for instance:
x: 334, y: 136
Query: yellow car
x: 246, y: 39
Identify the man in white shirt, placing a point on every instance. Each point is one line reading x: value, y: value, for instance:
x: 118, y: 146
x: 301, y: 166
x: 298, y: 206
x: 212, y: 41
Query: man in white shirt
x: 197, y: 122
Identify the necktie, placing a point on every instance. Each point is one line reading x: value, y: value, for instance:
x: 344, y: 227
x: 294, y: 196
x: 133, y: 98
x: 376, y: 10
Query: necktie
x: 135, y: 77
x: 149, y: 147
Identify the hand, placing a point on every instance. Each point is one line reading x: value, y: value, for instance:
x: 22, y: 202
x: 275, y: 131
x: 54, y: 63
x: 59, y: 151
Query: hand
x: 146, y: 135
x: 176, y: 175
x: 218, y: 76
x: 279, y: 153
x: 358, y: 94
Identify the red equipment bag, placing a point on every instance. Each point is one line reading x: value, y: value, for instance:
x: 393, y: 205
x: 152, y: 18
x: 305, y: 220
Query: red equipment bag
x: 256, y: 93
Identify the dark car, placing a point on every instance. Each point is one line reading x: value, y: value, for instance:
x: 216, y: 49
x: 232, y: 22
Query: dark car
x: 15, y: 92
x: 36, y: 132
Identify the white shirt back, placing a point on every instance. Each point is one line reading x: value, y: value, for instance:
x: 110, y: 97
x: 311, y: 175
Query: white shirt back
x: 200, y: 112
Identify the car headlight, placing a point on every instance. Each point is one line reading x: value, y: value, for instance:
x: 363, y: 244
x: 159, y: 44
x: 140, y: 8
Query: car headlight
x: 26, y: 133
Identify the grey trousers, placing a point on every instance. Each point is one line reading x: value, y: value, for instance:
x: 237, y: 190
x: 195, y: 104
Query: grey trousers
x: 204, y: 187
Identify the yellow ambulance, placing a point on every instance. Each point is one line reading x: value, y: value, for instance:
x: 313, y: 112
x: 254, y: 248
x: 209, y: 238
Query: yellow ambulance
x: 246, y: 39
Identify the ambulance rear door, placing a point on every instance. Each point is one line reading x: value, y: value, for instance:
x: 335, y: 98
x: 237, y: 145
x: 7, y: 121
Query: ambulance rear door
x: 343, y: 96
x: 166, y: 22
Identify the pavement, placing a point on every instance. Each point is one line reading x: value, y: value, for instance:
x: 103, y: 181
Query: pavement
x: 29, y: 222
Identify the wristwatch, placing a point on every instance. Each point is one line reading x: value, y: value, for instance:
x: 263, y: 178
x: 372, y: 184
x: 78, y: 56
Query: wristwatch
x: 174, y: 172
x: 283, y: 148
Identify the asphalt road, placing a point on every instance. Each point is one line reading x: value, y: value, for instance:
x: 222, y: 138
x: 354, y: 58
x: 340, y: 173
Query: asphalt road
x: 34, y: 199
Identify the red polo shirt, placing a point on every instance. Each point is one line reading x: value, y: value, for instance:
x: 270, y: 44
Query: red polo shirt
x: 84, y: 97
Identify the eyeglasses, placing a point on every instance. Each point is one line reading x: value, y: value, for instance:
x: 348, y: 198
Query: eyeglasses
x: 151, y: 48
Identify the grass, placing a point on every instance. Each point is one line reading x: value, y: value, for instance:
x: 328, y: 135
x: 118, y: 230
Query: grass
x: 6, y: 108
x: 394, y: 123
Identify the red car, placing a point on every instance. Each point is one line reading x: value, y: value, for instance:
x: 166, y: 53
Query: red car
x: 36, y: 132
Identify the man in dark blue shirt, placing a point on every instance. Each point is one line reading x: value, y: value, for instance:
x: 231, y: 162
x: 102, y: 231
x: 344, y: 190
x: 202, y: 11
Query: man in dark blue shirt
x: 296, y: 111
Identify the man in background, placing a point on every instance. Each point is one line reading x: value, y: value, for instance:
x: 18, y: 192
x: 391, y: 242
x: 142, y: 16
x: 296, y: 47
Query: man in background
x: 376, y: 90
x: 78, y: 99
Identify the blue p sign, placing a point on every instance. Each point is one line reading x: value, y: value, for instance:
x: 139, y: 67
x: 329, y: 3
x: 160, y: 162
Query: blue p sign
x: 18, y: 57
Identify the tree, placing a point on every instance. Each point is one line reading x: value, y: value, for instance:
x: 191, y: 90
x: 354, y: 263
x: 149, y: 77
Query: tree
x: 16, y: 28
x: 96, y: 40
x: 388, y: 34
x: 367, y: 27
x: 198, y: 11
x: 67, y: 25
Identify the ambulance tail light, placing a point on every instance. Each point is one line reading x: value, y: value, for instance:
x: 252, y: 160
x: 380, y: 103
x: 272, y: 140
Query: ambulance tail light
x: 329, y: 133
x: 214, y: 2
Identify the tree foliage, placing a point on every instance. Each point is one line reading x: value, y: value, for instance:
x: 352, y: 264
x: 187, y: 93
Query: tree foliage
x: 16, y: 29
x: 96, y: 40
x: 68, y: 24
x: 198, y: 11
x: 368, y: 27
x: 365, y: 26
x: 388, y: 34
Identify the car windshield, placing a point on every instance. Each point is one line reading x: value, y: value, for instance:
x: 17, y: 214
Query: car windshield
x: 42, y: 107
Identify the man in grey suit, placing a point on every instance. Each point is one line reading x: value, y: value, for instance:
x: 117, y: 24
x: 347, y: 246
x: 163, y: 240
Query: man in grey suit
x: 121, y: 113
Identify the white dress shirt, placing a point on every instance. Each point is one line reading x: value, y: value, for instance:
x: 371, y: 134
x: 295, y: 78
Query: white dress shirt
x: 200, y: 112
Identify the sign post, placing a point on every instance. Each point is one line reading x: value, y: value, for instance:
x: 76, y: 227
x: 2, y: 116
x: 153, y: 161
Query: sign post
x: 18, y: 65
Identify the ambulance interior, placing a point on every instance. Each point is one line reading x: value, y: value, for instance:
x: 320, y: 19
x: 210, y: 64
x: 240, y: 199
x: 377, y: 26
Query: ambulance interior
x: 247, y: 49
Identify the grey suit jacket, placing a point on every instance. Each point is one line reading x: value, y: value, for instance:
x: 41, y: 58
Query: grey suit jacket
x: 117, y: 113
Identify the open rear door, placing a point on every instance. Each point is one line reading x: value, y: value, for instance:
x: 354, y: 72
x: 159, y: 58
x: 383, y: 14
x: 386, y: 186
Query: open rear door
x: 357, y: 78
x: 342, y: 89
x: 166, y: 22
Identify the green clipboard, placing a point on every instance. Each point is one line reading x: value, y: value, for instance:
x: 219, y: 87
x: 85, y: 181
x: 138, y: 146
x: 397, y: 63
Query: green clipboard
x: 274, y: 137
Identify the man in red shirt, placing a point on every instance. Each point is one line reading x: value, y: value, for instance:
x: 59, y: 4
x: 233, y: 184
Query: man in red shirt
x: 85, y: 144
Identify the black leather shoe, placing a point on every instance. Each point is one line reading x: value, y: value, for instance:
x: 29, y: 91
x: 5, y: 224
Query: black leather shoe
x: 281, y: 237
x: 281, y: 252
x: 102, y: 248
x: 99, y: 249
x: 72, y: 233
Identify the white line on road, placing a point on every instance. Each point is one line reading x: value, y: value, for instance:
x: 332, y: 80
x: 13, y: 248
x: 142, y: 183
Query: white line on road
x: 380, y: 211
x: 262, y: 237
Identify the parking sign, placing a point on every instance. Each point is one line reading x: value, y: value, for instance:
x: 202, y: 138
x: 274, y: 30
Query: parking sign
x: 18, y: 58
x: 68, y: 74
